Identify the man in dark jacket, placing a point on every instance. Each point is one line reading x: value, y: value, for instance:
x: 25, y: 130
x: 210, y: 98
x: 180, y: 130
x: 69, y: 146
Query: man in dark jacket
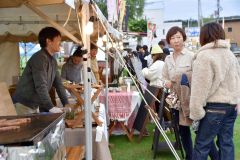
x: 165, y: 50
x: 40, y: 74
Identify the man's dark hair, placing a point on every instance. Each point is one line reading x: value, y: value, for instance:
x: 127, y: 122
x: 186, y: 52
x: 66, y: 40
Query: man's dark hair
x: 93, y: 46
x: 211, y: 32
x: 161, y: 43
x: 138, y: 47
x: 145, y: 47
x: 79, y: 52
x: 47, y: 33
x: 173, y: 31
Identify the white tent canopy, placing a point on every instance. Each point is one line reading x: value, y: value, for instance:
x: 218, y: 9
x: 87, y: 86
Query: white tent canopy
x: 19, y: 23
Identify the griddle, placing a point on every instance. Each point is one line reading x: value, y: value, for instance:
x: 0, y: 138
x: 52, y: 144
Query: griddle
x: 41, y: 124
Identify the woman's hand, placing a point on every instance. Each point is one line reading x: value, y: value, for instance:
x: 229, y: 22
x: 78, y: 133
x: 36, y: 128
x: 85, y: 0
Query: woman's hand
x: 168, y: 84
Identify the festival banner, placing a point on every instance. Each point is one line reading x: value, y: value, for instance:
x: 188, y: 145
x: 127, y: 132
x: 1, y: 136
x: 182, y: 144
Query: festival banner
x: 112, y: 10
x: 151, y: 29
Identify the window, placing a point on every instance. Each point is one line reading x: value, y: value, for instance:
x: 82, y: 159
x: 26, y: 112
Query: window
x: 229, y: 29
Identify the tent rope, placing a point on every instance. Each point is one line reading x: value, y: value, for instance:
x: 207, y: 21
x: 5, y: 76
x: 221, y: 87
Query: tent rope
x: 152, y: 113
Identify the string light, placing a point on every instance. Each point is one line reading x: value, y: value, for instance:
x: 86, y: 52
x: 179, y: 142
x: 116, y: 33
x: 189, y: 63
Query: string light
x: 89, y: 26
x: 109, y: 45
x: 99, y: 42
x: 104, y: 38
x: 114, y: 45
x: 121, y: 47
x: 120, y: 43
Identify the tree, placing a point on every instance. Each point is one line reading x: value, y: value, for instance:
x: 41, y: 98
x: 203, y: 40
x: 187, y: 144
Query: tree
x: 102, y: 4
x: 136, y: 7
x: 137, y: 25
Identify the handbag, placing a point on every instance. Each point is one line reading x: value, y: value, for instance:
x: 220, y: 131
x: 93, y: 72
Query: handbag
x: 172, y: 101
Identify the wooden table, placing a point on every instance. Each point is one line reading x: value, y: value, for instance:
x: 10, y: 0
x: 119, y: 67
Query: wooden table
x: 77, y: 90
x: 120, y: 107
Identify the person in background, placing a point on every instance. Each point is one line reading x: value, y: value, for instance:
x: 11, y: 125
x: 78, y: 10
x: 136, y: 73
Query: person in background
x: 139, y: 49
x: 94, y: 63
x: 72, y: 69
x: 176, y: 64
x: 165, y: 50
x: 146, y: 52
x: 215, y: 93
x: 135, y: 67
x: 140, y: 54
x: 149, y: 59
x: 40, y: 74
x: 154, y: 72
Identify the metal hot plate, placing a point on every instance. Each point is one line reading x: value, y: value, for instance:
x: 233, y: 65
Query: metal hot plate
x: 32, y: 132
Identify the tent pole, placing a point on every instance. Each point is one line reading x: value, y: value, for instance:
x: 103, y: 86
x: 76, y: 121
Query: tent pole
x: 106, y: 80
x: 87, y: 84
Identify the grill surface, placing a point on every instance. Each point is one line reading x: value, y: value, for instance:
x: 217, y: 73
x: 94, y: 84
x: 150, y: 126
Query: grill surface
x: 32, y: 132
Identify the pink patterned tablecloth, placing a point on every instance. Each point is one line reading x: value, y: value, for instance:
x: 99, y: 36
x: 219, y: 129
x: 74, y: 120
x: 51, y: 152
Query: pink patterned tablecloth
x: 119, y: 104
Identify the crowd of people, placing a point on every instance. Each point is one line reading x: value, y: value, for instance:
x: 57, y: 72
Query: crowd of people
x: 207, y: 84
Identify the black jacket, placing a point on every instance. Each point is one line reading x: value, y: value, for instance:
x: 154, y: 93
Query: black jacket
x: 37, y: 79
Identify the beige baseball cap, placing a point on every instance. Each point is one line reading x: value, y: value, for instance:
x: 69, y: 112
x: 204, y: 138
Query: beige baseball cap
x: 156, y: 49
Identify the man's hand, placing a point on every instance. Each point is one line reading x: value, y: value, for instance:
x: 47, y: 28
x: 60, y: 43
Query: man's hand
x: 68, y: 108
x: 56, y: 110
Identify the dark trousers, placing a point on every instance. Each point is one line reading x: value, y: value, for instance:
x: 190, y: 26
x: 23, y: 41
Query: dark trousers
x: 186, y: 139
x: 185, y: 136
x: 218, y: 121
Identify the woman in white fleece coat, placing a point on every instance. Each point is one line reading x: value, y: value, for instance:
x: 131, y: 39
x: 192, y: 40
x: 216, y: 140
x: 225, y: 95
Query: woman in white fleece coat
x: 215, y: 93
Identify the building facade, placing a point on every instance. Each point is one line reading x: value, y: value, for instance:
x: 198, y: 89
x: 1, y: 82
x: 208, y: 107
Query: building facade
x: 232, y: 30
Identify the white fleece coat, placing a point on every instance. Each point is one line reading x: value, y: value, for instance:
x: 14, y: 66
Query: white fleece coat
x: 154, y: 73
x: 215, y: 79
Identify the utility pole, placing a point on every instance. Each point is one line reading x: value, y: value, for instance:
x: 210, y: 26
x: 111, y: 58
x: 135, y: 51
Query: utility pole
x: 200, y: 22
x: 218, y: 10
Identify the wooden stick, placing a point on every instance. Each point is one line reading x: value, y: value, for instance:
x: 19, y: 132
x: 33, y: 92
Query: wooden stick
x: 8, y: 128
x: 53, y: 23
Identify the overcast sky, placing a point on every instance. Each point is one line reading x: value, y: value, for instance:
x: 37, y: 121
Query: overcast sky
x: 186, y: 9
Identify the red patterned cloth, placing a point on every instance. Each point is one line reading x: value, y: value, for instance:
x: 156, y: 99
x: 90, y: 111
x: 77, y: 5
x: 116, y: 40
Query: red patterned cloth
x: 119, y: 104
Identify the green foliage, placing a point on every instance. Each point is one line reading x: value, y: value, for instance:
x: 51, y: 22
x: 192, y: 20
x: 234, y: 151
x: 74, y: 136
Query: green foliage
x: 123, y: 149
x: 190, y: 22
x: 102, y: 4
x: 194, y: 23
x: 135, y: 8
x: 209, y: 19
x: 137, y: 25
x: 125, y: 73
